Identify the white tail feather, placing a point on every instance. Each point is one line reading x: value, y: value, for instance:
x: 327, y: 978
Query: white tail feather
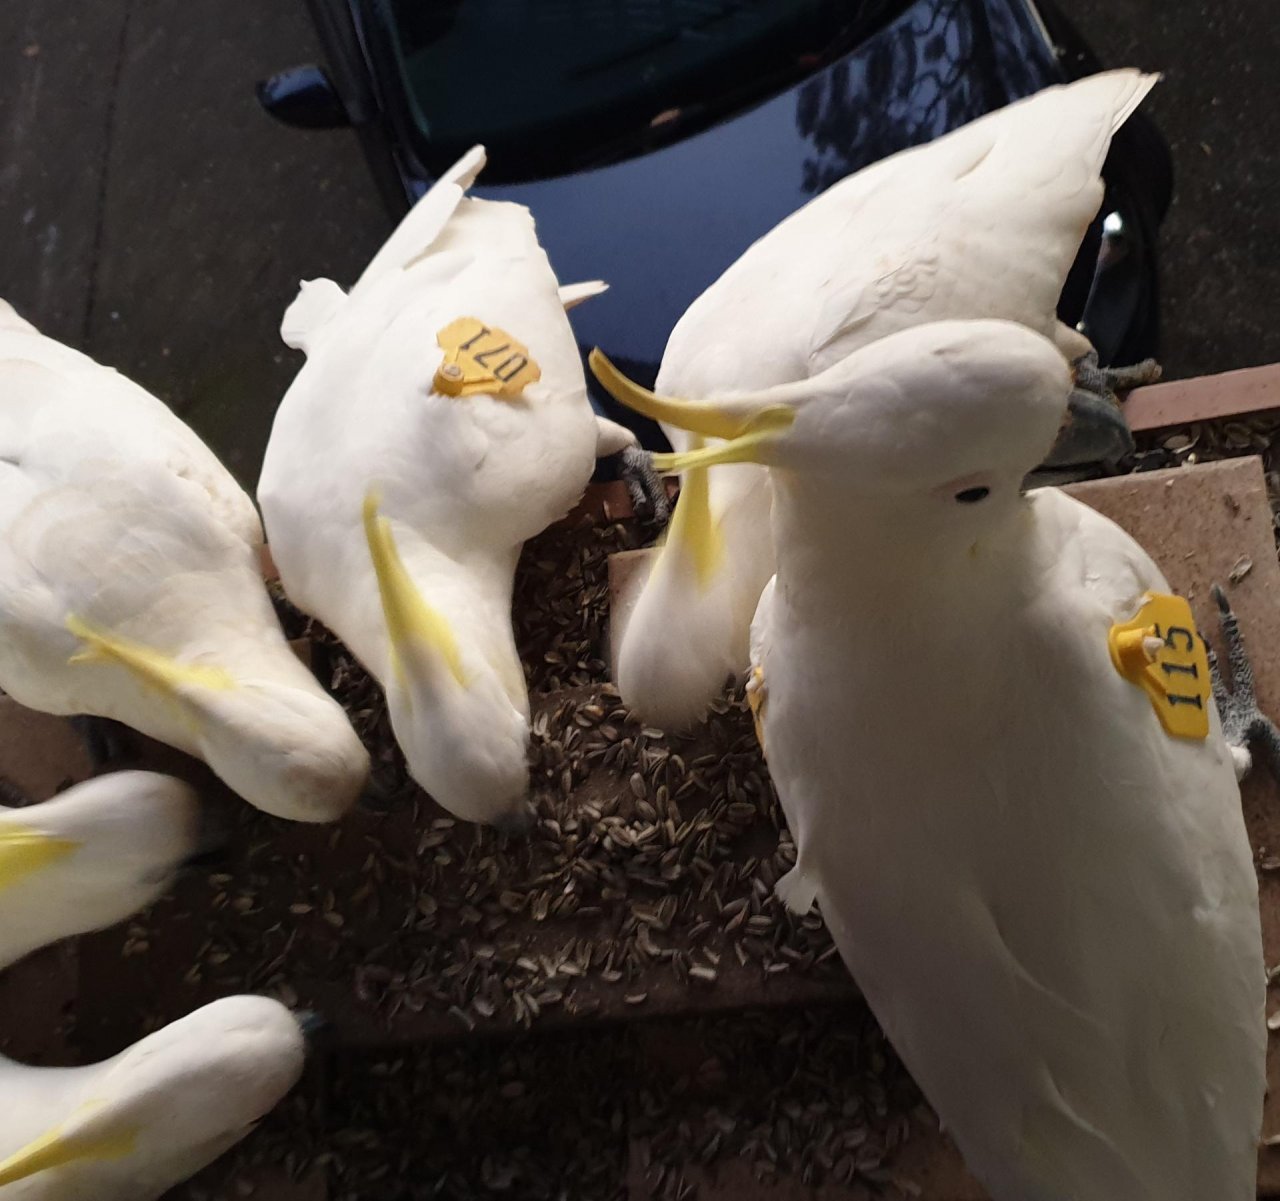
x: 574, y: 294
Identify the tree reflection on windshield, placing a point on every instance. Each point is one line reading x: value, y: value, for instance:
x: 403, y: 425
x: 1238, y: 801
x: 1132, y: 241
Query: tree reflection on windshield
x: 938, y: 66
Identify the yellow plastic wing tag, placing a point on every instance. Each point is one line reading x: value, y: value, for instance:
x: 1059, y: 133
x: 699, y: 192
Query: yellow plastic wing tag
x: 1160, y: 651
x: 481, y: 359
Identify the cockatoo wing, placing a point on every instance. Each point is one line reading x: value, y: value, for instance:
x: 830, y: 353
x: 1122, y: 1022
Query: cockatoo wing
x: 94, y: 470
x: 984, y: 222
x: 986, y: 227
x: 53, y: 393
x: 1079, y: 989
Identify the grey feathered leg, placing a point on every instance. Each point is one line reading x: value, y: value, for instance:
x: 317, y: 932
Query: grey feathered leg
x: 644, y: 485
x: 106, y: 741
x: 1243, y: 723
x: 1108, y: 381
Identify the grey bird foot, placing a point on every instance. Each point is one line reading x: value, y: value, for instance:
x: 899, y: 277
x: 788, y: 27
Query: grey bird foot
x: 1243, y: 724
x: 645, y: 486
x: 106, y: 741
x: 1109, y: 381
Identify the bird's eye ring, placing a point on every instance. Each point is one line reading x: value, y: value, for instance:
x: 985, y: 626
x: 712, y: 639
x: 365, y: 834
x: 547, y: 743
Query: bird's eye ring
x: 971, y: 496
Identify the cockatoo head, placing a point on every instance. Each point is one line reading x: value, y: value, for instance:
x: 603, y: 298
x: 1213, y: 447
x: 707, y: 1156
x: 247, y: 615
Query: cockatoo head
x: 464, y: 742
x: 955, y: 411
x: 290, y: 751
x: 170, y: 1104
x: 460, y: 717
x: 279, y: 741
x: 91, y: 856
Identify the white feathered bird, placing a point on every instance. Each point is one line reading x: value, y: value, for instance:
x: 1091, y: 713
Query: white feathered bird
x: 131, y: 587
x: 130, y: 1128
x: 1048, y: 900
x: 983, y: 222
x: 91, y: 856
x: 441, y: 419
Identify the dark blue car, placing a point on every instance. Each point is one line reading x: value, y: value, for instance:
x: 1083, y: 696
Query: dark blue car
x: 654, y: 140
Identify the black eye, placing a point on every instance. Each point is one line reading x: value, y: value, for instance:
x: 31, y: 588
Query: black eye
x: 971, y: 496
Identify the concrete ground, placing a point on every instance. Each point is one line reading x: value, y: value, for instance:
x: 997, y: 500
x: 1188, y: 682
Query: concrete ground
x: 152, y: 215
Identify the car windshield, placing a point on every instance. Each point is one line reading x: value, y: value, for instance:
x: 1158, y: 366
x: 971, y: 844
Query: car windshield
x: 550, y: 85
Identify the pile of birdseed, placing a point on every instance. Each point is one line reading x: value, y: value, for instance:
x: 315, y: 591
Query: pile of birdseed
x: 647, y: 884
x: 646, y: 889
x: 1212, y: 441
x: 660, y: 1110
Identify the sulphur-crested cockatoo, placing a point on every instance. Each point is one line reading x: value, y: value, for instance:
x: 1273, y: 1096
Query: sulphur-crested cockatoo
x: 131, y: 586
x: 992, y: 735
x: 91, y: 856
x: 130, y: 1128
x: 440, y: 420
x: 984, y: 222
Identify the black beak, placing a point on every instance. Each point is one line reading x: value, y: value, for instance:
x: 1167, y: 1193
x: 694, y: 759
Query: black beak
x: 517, y: 823
x: 1094, y: 434
x: 314, y: 1026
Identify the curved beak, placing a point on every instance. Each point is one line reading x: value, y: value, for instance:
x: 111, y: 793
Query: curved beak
x: 517, y: 823
x: 1093, y: 431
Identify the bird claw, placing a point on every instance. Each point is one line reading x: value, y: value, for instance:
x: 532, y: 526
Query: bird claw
x: 1244, y: 725
x: 644, y: 485
x: 1095, y: 433
x: 1109, y: 381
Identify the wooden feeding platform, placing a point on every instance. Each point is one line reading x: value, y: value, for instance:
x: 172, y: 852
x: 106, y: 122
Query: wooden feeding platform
x: 615, y: 1007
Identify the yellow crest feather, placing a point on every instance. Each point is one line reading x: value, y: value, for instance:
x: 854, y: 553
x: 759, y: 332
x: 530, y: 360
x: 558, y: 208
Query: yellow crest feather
x: 151, y: 666
x: 693, y: 530
x: 56, y: 1149
x: 25, y: 850
x: 408, y: 616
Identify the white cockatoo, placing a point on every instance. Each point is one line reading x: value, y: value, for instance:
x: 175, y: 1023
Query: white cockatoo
x: 131, y: 585
x: 992, y: 735
x: 130, y: 1128
x: 983, y: 222
x: 441, y: 419
x: 91, y: 856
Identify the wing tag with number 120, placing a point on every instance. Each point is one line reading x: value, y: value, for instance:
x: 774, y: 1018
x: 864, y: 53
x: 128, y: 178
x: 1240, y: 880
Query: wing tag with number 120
x: 480, y: 358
